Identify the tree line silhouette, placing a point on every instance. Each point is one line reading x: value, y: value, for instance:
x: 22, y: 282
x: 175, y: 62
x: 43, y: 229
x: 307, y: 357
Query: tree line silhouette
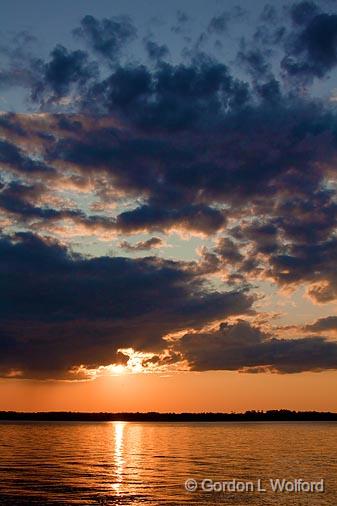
x: 281, y: 415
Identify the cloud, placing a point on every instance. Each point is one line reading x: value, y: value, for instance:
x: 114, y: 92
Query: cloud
x: 181, y: 22
x: 153, y: 146
x: 219, y: 23
x: 8, y: 124
x: 170, y: 97
x: 322, y: 324
x: 17, y: 199
x: 154, y: 242
x: 303, y: 12
x: 312, y: 50
x: 269, y: 14
x: 65, y: 71
x: 312, y: 263
x: 77, y: 311
x: 106, y: 37
x: 200, y: 175
x: 14, y: 158
x: 18, y: 63
x: 156, y: 52
x: 256, y: 61
x: 201, y: 179
x: 241, y: 346
x: 199, y: 218
x: 26, y: 204
x: 228, y: 250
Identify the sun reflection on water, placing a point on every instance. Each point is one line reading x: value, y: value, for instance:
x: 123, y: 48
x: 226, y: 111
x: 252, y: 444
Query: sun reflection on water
x: 118, y: 455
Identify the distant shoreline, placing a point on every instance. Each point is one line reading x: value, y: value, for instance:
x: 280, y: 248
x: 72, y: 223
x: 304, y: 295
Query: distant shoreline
x: 282, y: 415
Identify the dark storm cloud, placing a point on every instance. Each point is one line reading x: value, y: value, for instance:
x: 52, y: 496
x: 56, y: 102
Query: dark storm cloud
x: 22, y: 202
x: 311, y: 51
x: 243, y: 347
x: 228, y: 250
x: 18, y: 199
x: 303, y: 12
x: 199, y: 218
x: 17, y: 61
x: 219, y: 24
x: 256, y: 61
x: 13, y: 157
x: 156, y: 52
x: 282, y: 145
x: 313, y: 263
x: 264, y: 236
x: 154, y: 242
x: 58, y: 310
x: 322, y: 324
x: 64, y: 70
x: 256, y: 53
x: 295, y: 245
x: 9, y: 125
x: 194, y: 177
x: 194, y: 148
x: 197, y: 147
x: 106, y: 37
x: 172, y: 97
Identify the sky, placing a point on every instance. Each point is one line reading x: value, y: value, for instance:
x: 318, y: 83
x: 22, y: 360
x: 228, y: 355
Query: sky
x: 168, y: 205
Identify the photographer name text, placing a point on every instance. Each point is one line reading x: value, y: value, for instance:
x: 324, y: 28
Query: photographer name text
x: 275, y: 485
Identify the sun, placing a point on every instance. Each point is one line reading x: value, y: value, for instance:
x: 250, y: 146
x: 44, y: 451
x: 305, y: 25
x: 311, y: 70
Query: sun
x: 117, y: 369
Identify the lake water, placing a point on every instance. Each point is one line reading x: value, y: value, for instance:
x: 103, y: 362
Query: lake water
x: 118, y: 463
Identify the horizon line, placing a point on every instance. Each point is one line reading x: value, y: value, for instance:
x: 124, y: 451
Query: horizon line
x: 128, y: 416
